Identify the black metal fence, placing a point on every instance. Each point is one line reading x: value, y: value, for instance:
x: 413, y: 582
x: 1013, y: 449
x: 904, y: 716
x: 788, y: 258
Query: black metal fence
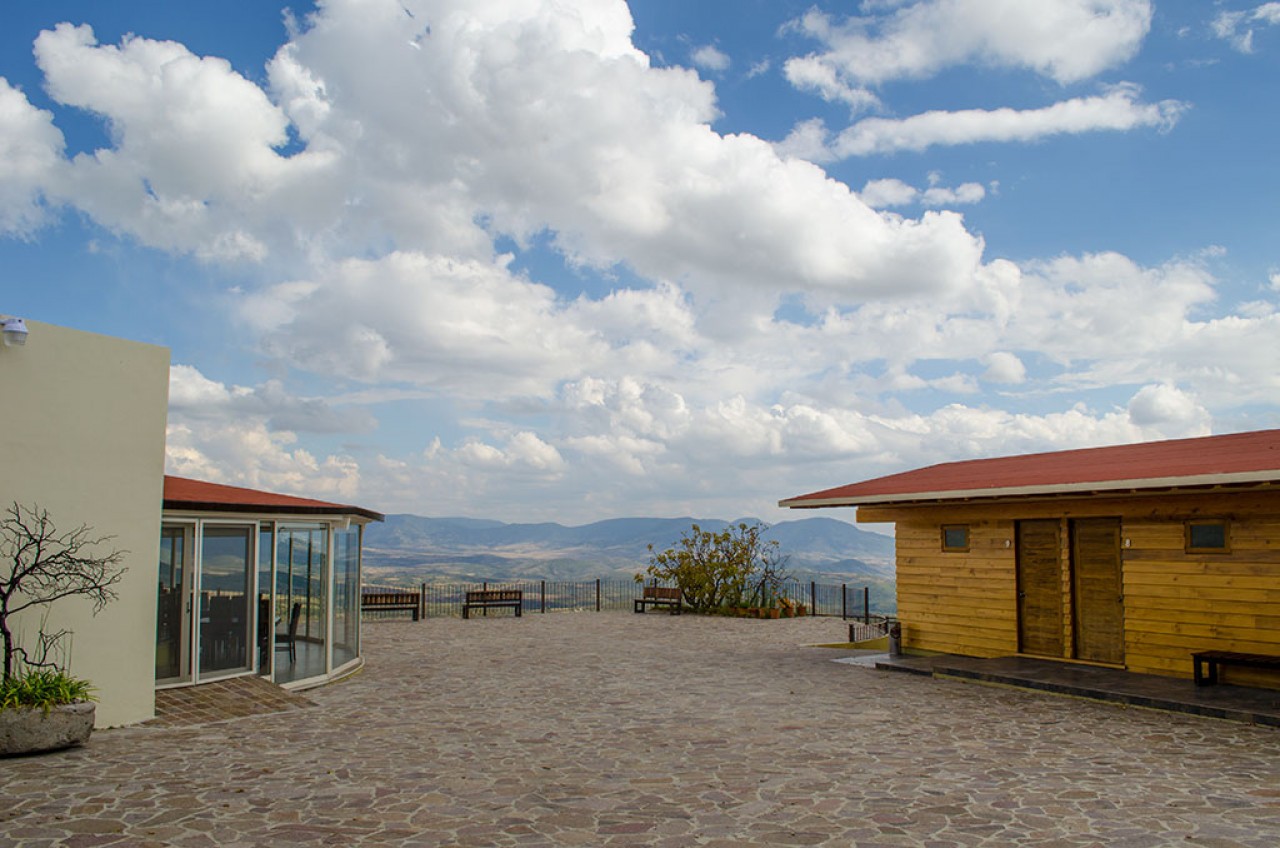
x: 444, y: 600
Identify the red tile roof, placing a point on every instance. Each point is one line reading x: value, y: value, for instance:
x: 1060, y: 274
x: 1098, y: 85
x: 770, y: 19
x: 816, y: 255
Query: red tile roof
x: 1238, y: 458
x: 184, y: 493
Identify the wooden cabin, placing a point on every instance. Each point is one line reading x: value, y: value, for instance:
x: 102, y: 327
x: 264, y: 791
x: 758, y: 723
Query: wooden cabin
x: 1132, y: 556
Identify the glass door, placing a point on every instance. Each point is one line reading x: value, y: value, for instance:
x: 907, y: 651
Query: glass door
x: 301, y: 648
x: 173, y: 605
x: 227, y: 567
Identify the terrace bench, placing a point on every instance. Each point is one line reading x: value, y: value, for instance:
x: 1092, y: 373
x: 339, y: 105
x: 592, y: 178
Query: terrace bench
x: 659, y: 596
x: 1205, y: 663
x: 487, y: 599
x: 386, y: 601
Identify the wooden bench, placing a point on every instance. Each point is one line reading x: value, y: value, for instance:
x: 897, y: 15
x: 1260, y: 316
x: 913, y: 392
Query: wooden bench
x: 1205, y: 663
x: 659, y: 596
x: 387, y: 601
x: 487, y: 599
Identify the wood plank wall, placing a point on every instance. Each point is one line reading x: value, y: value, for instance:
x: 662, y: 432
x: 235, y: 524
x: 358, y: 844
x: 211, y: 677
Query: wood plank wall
x: 957, y: 603
x: 1174, y: 602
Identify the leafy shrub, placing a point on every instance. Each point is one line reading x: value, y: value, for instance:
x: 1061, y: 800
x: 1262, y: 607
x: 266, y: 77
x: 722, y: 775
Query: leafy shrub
x: 716, y: 570
x: 43, y: 688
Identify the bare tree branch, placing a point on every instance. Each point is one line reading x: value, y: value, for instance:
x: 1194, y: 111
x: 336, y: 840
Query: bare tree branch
x: 39, y: 565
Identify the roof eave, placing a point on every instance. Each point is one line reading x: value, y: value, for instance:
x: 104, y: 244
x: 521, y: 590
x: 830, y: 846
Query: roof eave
x: 1153, y: 484
x: 336, y: 511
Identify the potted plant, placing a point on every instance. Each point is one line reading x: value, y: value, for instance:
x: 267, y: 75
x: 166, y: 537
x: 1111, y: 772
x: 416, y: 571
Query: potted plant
x: 42, y: 706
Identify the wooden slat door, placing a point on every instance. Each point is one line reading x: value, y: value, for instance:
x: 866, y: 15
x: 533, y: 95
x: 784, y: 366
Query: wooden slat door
x: 1040, y: 588
x: 1098, y: 591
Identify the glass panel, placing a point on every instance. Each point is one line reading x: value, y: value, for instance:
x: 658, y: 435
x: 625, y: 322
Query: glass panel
x: 266, y: 547
x: 301, y: 603
x: 1207, y: 535
x: 955, y: 537
x: 173, y: 622
x: 346, y: 595
x: 226, y: 580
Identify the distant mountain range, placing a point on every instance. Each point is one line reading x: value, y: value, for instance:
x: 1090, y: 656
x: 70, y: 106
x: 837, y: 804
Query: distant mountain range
x: 413, y: 547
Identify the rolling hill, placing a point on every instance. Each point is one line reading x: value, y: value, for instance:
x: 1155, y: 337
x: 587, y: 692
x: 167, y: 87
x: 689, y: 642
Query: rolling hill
x: 408, y: 548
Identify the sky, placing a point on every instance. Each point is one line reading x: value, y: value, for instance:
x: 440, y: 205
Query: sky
x: 567, y: 260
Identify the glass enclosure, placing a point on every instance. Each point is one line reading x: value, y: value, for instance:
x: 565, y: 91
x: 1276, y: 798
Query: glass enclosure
x: 266, y: 597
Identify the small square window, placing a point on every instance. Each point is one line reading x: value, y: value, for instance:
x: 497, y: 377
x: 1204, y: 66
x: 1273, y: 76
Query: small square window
x: 955, y: 537
x: 1208, y: 536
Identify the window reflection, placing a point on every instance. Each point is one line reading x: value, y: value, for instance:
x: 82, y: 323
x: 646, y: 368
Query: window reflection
x: 226, y: 574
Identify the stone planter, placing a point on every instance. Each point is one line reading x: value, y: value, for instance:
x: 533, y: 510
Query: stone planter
x: 27, y: 730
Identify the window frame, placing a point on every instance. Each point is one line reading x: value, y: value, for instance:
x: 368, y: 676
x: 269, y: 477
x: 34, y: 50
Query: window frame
x: 1224, y: 523
x: 956, y: 549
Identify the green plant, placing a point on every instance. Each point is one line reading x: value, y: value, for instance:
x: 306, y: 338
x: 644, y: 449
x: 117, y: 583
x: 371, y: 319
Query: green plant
x: 716, y: 570
x: 43, y: 688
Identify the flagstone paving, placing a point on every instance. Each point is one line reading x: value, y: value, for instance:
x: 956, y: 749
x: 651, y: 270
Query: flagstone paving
x: 620, y: 730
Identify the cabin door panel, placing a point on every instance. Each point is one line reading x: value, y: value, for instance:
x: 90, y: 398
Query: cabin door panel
x: 1098, y: 591
x: 1040, y: 588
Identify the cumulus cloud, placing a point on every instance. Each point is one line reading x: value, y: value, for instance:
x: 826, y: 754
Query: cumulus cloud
x: 768, y: 323
x: 1004, y: 367
x: 249, y: 436
x: 1237, y: 27
x: 1064, y: 40
x: 31, y: 148
x: 1170, y: 410
x: 510, y: 119
x: 194, y: 396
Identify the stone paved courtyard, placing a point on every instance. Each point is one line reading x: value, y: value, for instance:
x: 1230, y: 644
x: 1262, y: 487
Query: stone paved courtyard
x: 616, y: 729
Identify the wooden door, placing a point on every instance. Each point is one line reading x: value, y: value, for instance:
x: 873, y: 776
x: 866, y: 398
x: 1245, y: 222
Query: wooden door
x: 1039, y: 568
x: 1097, y: 589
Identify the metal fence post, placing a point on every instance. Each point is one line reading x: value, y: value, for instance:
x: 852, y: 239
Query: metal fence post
x: 543, y: 595
x: 866, y: 604
x: 597, y: 594
x: 422, y: 602
x: 813, y: 596
x: 844, y: 603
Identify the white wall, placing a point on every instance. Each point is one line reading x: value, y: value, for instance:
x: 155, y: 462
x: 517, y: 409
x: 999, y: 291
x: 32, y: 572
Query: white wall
x: 82, y: 429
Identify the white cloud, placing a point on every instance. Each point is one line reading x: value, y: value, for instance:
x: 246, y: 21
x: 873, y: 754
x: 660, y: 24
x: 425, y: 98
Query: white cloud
x: 539, y: 122
x: 1170, y: 410
x: 513, y: 118
x: 1117, y: 109
x: 711, y: 58
x: 812, y: 74
x: 888, y: 193
x: 1236, y: 27
x: 1064, y: 40
x: 193, y: 396
x: 31, y: 150
x: 1004, y: 367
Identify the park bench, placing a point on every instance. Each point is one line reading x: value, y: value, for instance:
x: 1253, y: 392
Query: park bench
x: 388, y: 601
x: 1206, y: 663
x: 659, y: 596
x: 487, y: 599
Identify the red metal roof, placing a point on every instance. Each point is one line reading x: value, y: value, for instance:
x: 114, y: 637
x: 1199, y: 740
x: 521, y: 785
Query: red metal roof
x: 1211, y: 460
x: 184, y: 493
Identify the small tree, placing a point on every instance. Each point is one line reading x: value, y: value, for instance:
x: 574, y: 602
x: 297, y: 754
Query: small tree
x: 713, y: 570
x: 38, y: 566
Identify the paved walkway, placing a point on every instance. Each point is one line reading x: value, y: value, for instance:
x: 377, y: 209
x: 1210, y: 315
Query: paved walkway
x: 617, y: 729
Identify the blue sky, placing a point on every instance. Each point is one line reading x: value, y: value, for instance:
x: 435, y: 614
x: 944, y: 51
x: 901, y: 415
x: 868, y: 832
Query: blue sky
x: 579, y: 259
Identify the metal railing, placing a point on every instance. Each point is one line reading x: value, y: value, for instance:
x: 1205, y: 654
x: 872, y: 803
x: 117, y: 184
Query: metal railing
x: 444, y: 600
